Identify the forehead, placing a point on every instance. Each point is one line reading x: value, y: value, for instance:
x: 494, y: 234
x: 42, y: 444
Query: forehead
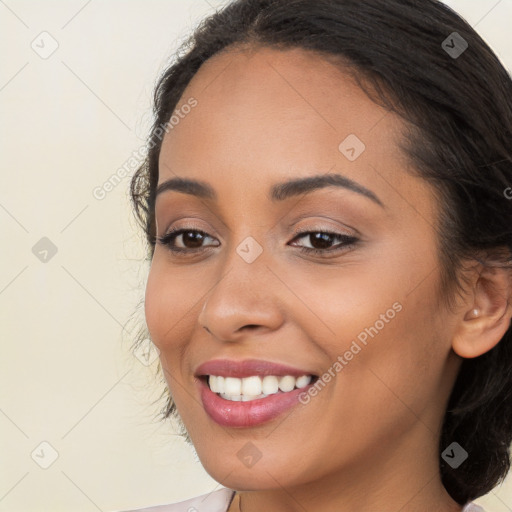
x: 264, y: 88
x: 264, y: 114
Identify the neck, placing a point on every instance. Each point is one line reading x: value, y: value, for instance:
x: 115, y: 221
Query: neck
x: 251, y: 501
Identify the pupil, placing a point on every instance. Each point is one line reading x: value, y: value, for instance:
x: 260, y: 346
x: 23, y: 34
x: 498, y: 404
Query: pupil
x: 324, y: 240
x: 192, y: 237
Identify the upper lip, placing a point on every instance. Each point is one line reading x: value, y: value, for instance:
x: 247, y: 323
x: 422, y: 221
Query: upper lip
x: 247, y: 368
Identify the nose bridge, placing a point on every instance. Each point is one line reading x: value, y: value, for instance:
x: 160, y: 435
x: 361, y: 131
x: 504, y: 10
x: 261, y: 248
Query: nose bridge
x: 243, y: 294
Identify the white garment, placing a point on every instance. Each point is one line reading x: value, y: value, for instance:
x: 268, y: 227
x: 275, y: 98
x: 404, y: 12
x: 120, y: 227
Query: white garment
x: 218, y: 501
x: 472, y: 507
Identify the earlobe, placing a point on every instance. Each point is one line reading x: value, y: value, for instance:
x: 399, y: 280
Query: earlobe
x: 484, y: 323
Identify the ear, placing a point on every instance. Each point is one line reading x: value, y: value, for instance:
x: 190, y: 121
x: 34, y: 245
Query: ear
x: 485, y: 317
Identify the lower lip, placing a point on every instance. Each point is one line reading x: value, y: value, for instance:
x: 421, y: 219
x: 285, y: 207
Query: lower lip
x: 229, y: 413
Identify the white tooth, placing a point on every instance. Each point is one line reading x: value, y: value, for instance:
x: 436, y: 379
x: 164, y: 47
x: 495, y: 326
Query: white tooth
x: 232, y: 386
x: 212, y: 381
x: 270, y: 385
x: 251, y: 386
x: 249, y: 398
x: 233, y: 398
x: 254, y: 387
x: 303, y: 381
x: 221, y: 388
x: 286, y: 383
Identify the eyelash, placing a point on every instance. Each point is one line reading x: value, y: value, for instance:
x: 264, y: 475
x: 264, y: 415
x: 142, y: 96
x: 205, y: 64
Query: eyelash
x: 347, y: 241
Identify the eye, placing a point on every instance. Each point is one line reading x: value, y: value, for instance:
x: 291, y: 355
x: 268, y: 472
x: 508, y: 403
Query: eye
x: 184, y: 240
x: 321, y: 241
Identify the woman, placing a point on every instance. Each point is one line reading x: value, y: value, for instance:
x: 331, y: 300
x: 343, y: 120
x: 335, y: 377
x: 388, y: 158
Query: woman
x: 326, y: 199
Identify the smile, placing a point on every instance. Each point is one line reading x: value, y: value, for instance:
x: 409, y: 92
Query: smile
x: 251, y: 392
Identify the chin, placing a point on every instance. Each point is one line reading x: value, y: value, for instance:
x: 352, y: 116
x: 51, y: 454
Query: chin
x: 231, y: 472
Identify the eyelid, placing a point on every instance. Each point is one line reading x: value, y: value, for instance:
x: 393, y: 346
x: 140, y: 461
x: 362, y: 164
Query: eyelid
x: 323, y: 229
x: 325, y: 224
x: 191, y: 224
x: 187, y: 224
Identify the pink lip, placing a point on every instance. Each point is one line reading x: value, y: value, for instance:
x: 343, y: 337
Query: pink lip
x: 247, y: 414
x: 247, y: 368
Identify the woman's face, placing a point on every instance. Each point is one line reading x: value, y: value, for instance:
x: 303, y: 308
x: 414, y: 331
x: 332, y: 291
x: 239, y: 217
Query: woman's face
x: 364, y: 310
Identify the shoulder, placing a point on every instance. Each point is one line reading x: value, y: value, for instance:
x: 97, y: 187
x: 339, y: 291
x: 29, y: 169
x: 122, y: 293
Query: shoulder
x: 472, y: 507
x: 216, y: 501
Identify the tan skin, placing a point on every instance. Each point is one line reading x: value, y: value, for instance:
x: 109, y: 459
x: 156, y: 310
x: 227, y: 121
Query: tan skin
x: 368, y: 441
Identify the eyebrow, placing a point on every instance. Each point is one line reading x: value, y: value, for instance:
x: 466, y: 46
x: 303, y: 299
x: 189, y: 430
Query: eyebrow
x: 278, y: 192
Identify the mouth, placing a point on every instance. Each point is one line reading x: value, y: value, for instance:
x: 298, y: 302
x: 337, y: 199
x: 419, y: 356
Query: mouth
x: 251, y: 392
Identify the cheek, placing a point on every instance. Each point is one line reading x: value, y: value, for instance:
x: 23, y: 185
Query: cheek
x: 402, y: 353
x: 166, y: 305
x: 154, y: 305
x: 384, y: 322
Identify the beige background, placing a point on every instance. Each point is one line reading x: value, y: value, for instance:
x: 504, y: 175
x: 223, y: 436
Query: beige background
x: 69, y: 122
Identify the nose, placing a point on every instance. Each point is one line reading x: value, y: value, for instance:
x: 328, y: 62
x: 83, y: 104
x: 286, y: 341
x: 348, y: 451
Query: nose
x: 246, y: 298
